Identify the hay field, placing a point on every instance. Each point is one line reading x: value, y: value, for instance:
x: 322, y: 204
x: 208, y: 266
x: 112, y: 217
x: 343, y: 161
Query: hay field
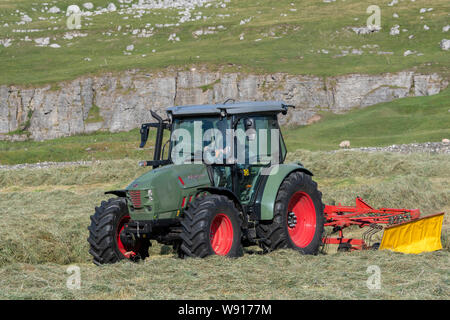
x: 45, y: 214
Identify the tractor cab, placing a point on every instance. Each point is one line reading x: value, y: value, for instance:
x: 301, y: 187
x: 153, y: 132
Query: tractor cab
x: 235, y: 141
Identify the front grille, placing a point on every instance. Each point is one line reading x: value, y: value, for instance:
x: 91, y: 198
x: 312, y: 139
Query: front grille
x: 135, y: 196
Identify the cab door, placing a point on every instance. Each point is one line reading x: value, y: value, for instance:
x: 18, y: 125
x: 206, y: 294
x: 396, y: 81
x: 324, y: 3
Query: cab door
x: 255, y: 149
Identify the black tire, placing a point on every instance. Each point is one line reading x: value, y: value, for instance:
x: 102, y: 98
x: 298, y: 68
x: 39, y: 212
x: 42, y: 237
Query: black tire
x: 103, y: 233
x: 197, y: 222
x: 344, y: 247
x: 275, y: 234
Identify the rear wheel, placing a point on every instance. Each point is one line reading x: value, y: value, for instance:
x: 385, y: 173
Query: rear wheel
x: 108, y: 242
x: 298, y: 217
x: 211, y: 225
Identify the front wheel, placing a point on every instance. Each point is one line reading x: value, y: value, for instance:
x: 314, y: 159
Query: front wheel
x: 108, y: 242
x: 298, y: 220
x: 211, y: 226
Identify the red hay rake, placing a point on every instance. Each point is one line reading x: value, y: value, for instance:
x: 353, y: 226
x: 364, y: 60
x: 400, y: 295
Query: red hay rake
x: 340, y: 217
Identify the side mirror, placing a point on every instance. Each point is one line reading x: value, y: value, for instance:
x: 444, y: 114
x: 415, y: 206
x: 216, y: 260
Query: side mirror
x: 144, y: 135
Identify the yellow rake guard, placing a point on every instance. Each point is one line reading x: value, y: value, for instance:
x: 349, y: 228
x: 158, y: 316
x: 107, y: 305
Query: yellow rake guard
x: 416, y: 236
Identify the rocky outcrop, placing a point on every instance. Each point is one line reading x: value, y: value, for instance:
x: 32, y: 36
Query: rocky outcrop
x: 122, y: 102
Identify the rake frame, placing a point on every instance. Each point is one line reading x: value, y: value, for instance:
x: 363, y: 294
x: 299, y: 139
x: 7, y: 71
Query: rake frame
x: 363, y: 215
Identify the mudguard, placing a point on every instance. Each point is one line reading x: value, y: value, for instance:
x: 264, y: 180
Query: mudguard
x: 225, y: 192
x: 119, y: 193
x: 266, y: 198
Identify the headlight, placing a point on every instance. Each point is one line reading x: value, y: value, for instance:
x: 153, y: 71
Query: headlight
x: 150, y: 194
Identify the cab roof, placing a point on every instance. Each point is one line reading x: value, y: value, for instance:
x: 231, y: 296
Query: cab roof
x: 230, y: 108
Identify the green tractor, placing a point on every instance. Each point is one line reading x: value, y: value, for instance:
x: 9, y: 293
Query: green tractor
x: 206, y: 199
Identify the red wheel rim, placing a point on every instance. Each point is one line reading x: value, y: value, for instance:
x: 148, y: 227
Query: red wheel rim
x: 126, y: 253
x: 221, y: 234
x: 303, y: 208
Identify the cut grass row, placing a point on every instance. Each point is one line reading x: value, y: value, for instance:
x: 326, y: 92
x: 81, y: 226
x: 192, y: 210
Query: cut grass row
x: 279, y: 275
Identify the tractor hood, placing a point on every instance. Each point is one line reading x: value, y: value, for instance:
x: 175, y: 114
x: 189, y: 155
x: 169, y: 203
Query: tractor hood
x: 179, y: 176
x: 161, y: 190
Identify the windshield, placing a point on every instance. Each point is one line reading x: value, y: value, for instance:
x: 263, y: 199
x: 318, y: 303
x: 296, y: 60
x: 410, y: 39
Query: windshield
x: 261, y: 147
x: 255, y: 140
x: 196, y: 138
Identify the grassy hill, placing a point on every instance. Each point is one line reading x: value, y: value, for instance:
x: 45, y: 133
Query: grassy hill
x: 408, y: 120
x: 418, y: 119
x: 301, y: 37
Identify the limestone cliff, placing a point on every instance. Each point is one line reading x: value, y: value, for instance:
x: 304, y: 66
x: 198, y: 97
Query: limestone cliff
x: 122, y: 102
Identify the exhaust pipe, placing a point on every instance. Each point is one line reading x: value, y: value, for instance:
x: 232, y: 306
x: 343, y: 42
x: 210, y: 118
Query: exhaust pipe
x: 159, y: 136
